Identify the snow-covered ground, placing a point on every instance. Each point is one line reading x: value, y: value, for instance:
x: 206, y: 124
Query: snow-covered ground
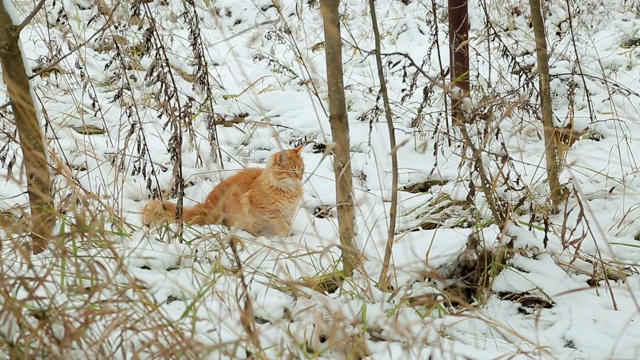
x: 568, y: 289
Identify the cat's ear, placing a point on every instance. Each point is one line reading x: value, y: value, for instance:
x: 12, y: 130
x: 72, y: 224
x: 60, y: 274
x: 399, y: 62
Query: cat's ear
x: 283, y: 156
x: 298, y: 149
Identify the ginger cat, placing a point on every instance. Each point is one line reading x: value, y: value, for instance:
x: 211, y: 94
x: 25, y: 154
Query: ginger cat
x: 259, y: 201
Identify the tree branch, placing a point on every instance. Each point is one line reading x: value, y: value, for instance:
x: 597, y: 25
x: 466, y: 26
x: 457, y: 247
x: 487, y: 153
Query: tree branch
x: 29, y: 17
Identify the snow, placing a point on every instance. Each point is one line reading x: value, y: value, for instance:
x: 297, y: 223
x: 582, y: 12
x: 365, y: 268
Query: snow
x: 140, y: 292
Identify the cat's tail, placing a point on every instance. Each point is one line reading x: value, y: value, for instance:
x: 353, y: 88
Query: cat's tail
x: 160, y: 212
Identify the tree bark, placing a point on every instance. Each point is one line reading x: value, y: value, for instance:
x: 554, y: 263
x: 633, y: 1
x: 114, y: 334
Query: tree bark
x: 459, y: 57
x: 544, y: 81
x: 340, y: 133
x: 30, y: 133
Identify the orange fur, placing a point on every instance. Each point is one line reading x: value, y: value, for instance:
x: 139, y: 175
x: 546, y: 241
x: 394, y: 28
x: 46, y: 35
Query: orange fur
x: 260, y: 201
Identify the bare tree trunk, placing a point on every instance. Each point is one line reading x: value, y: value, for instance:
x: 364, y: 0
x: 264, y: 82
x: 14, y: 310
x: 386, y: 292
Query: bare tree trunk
x: 460, y: 90
x: 384, y: 281
x: 340, y: 133
x: 551, y: 151
x: 34, y: 156
x: 459, y: 57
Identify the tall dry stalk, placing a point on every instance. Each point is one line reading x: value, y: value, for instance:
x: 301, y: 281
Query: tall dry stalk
x: 32, y: 144
x: 340, y: 133
x: 553, y: 167
x: 384, y: 276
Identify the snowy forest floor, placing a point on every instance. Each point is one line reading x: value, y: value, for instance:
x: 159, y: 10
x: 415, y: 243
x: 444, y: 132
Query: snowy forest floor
x: 119, y: 83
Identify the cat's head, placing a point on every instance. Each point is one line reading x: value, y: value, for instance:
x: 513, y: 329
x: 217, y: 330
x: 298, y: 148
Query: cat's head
x: 286, y: 165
